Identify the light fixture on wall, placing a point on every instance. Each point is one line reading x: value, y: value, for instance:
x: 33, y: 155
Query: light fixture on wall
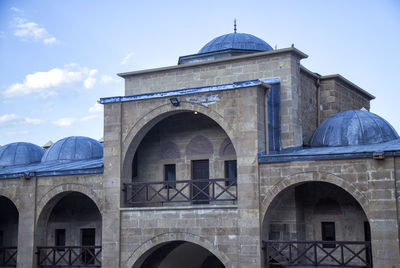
x: 174, y: 101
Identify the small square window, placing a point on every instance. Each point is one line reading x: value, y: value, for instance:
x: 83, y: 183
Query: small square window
x: 170, y: 175
x: 231, y: 172
x: 328, y: 233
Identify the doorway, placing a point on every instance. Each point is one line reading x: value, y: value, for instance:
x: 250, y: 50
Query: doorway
x: 88, y: 239
x: 200, y: 189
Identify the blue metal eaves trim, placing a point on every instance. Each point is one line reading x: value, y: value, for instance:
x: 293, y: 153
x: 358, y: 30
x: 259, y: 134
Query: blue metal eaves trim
x: 54, y: 173
x: 297, y: 158
x: 174, y: 93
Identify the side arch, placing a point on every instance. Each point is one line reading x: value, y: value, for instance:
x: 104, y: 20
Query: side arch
x: 168, y: 237
x: 149, y: 120
x: 314, y: 176
x: 65, y: 188
x: 11, y: 198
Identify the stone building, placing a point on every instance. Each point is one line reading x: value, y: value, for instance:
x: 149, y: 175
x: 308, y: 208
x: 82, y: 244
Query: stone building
x: 236, y: 157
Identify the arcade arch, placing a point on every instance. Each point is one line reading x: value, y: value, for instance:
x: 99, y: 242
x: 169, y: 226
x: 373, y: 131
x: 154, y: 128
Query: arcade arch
x: 179, y: 146
x: 312, y: 212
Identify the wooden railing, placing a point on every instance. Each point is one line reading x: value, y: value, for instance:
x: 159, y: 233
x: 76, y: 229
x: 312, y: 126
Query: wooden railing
x: 317, y: 253
x: 84, y: 256
x: 190, y: 191
x: 8, y: 256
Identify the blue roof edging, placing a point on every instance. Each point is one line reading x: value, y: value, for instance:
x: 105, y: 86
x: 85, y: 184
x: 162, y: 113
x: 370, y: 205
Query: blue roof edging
x: 179, y: 92
x: 297, y: 158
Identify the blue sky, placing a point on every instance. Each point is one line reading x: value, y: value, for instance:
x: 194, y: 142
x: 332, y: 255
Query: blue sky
x: 57, y: 58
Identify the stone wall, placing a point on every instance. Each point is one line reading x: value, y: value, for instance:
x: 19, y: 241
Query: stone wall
x: 35, y: 198
x: 215, y: 229
x: 308, y: 106
x: 282, y: 63
x: 370, y: 182
x: 337, y: 96
x: 237, y: 112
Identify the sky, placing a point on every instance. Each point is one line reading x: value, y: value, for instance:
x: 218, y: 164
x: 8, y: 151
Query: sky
x: 58, y: 58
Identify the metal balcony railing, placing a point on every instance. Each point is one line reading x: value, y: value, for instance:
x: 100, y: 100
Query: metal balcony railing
x: 65, y: 256
x: 8, y: 256
x: 317, y: 253
x: 201, y: 191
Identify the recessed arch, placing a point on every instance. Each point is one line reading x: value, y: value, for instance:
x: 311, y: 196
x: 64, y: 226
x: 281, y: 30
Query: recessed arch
x: 142, y: 126
x: 199, y: 145
x: 311, y: 177
x: 170, y: 237
x: 74, y: 212
x: 65, y: 188
x: 311, y: 207
x: 12, y: 198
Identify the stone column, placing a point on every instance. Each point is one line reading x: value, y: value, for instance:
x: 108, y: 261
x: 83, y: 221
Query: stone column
x: 26, y: 224
x: 111, y: 184
x: 247, y: 145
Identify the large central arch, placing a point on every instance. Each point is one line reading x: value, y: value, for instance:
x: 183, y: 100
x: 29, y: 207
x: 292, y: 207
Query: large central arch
x: 136, y: 133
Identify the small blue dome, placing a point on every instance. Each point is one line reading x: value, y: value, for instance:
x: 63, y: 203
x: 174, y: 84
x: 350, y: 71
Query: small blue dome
x: 353, y: 127
x: 73, y: 149
x: 20, y: 153
x: 236, y: 41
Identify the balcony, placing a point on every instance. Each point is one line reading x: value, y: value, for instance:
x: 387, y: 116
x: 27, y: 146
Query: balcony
x: 83, y: 256
x: 317, y: 253
x: 8, y: 256
x: 199, y: 191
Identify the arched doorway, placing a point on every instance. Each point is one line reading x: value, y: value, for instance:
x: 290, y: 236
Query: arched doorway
x: 178, y: 254
x: 185, y: 158
x: 69, y: 232
x: 316, y: 224
x: 8, y: 232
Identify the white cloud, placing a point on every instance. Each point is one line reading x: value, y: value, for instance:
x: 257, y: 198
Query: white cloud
x: 6, y: 118
x: 126, y: 59
x: 50, y: 40
x: 64, y: 122
x: 90, y: 117
x: 13, y: 119
x: 49, y: 83
x: 108, y: 79
x: 31, y: 31
x: 2, y: 35
x: 33, y: 121
x: 89, y: 82
x: 15, y: 9
x: 96, y: 108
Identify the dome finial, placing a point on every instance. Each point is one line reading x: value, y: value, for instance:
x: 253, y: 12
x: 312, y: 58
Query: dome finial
x: 234, y: 25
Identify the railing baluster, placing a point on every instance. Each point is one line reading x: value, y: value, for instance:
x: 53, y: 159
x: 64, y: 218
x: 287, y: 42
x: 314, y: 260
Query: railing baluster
x: 281, y: 253
x: 86, y: 255
x: 164, y: 193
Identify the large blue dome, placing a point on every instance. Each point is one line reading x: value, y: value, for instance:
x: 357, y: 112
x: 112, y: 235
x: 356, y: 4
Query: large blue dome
x: 241, y: 41
x: 20, y: 153
x: 73, y: 149
x: 353, y: 127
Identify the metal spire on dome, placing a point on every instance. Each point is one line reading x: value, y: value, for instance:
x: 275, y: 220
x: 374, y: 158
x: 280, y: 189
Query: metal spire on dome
x: 234, y: 25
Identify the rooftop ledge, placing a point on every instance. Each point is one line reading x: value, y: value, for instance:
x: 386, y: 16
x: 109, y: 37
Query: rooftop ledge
x: 234, y: 58
x: 173, y: 93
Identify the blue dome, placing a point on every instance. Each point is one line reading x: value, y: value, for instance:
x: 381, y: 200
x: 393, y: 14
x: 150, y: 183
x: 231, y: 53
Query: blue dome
x: 353, y: 127
x: 73, y: 149
x: 236, y: 41
x: 20, y: 153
